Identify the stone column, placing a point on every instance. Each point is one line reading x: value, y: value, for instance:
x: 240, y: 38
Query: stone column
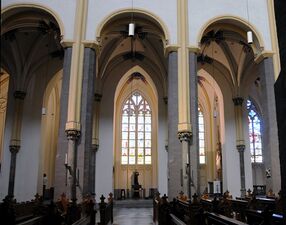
x: 240, y: 141
x: 185, y: 137
x: 269, y: 128
x: 194, y: 148
x: 15, y: 141
x: 86, y: 116
x: 60, y: 170
x: 73, y: 137
x: 175, y: 180
x: 14, y: 149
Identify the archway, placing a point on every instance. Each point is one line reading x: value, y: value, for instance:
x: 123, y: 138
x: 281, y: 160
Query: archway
x: 31, y: 54
x: 121, y: 57
x: 229, y: 59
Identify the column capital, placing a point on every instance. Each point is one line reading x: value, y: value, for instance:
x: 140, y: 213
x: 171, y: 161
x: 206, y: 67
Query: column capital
x: 97, y: 97
x: 73, y: 134
x: 237, y: 101
x: 240, y: 148
x: 185, y: 136
x: 14, y: 148
x: 19, y: 95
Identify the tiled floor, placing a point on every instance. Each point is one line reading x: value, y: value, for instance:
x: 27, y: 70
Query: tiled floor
x: 132, y: 216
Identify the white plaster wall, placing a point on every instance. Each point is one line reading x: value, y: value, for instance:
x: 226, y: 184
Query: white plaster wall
x: 65, y: 10
x: 26, y: 180
x: 202, y: 11
x: 231, y: 168
x: 162, y: 153
x: 98, y: 10
x: 104, y: 155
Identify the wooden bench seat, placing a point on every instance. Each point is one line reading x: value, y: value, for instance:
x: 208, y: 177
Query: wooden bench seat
x: 217, y: 219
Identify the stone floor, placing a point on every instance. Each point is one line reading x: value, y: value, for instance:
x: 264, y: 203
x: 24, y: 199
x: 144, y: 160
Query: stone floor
x: 133, y: 216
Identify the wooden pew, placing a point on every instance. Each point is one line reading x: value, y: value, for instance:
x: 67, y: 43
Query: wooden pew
x: 239, y: 207
x: 266, y: 217
x: 106, y: 210
x: 190, y: 212
x: 217, y: 219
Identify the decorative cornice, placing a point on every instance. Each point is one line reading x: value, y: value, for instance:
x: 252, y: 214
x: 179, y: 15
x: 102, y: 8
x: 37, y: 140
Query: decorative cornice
x: 240, y: 148
x: 194, y: 49
x: 185, y: 136
x: 73, y: 134
x: 67, y: 43
x: 264, y: 54
x: 170, y: 48
x: 91, y: 44
x: 97, y: 97
x: 19, y: 95
x: 237, y: 101
x: 14, y: 148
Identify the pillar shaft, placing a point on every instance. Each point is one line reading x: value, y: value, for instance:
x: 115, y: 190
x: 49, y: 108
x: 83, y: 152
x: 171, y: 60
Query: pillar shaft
x: 269, y: 131
x: 72, y: 136
x: 174, y: 146
x: 184, y: 121
x: 14, y: 150
x: 194, y: 147
x: 76, y: 72
x: 240, y: 141
x: 60, y: 170
x: 85, y: 152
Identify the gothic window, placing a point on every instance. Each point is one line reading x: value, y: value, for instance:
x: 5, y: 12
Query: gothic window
x: 136, y: 131
x: 254, y: 127
x: 202, y: 151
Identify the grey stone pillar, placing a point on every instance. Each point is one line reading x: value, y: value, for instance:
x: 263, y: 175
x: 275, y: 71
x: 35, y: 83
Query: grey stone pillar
x: 14, y: 149
x: 185, y: 137
x: 85, y: 151
x: 73, y: 137
x: 269, y: 128
x: 175, y: 181
x: 241, y: 149
x: 194, y: 147
x: 60, y: 170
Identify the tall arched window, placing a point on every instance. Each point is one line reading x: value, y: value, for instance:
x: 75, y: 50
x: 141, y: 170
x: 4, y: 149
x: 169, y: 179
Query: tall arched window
x: 254, y: 127
x: 136, y: 131
x: 202, y: 151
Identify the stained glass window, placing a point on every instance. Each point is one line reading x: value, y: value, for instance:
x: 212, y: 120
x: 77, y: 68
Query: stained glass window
x: 202, y: 151
x: 136, y: 131
x: 254, y: 128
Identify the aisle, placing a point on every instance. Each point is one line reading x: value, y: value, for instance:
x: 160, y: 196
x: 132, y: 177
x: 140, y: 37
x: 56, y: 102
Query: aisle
x: 133, y: 216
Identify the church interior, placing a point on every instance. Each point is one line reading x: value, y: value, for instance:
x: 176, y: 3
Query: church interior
x: 160, y: 112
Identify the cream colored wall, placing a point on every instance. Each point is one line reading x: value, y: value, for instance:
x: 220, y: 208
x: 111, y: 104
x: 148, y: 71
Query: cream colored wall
x: 148, y: 173
x: 100, y: 10
x: 49, y: 130
x: 4, y: 84
x: 4, y: 175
